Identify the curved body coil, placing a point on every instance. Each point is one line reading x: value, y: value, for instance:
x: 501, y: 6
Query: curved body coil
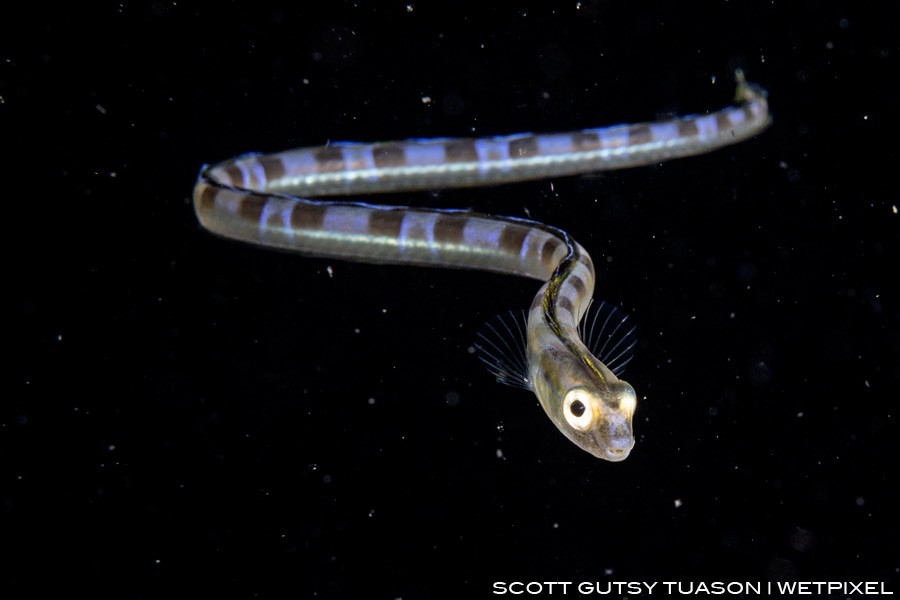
x: 257, y: 199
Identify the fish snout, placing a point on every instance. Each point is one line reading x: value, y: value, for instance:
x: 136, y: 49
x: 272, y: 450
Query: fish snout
x: 619, y: 447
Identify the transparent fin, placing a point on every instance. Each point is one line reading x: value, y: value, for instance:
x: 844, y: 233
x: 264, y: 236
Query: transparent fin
x: 500, y: 345
x: 609, y: 335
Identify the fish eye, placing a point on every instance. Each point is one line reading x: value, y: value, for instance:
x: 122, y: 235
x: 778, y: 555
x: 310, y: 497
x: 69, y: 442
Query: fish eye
x: 577, y: 410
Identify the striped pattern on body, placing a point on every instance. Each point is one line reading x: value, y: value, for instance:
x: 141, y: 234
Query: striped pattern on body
x: 399, y: 235
x: 254, y: 198
x: 352, y: 168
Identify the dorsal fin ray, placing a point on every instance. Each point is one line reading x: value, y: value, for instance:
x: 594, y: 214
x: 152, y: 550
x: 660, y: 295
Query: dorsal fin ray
x: 500, y: 345
x: 609, y: 335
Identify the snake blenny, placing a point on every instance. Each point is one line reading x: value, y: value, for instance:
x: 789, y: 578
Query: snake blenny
x: 264, y: 199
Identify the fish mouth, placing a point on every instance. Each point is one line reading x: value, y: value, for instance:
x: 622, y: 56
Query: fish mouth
x: 616, y: 454
x: 617, y: 449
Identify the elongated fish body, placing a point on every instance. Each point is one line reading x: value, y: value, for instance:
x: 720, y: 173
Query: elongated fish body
x: 583, y: 398
x: 256, y: 199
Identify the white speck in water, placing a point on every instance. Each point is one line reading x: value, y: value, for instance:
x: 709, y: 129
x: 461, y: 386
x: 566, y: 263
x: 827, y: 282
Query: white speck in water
x: 800, y: 415
x: 860, y: 501
x: 499, y: 453
x: 678, y: 503
x: 371, y: 401
x: 330, y: 272
x: 426, y: 99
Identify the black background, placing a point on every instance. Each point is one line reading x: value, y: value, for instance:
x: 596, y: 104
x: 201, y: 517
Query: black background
x: 185, y: 414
